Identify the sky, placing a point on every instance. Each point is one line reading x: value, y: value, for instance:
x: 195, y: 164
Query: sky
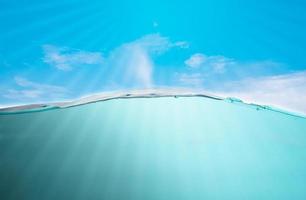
x: 62, y: 49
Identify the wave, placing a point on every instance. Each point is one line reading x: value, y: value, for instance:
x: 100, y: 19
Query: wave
x: 147, y: 93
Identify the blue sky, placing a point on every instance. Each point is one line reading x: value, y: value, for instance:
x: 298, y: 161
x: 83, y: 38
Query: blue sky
x: 57, y: 50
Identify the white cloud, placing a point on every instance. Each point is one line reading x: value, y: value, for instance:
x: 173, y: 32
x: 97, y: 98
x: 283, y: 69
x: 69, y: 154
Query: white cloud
x: 196, y: 60
x: 65, y: 58
x: 133, y: 60
x: 284, y: 91
x: 31, y: 90
x: 215, y: 63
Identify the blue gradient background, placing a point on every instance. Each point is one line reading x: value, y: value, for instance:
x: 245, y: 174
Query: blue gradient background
x: 153, y: 148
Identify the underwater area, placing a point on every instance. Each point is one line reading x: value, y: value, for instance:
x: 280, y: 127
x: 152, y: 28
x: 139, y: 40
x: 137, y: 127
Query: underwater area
x: 173, y: 147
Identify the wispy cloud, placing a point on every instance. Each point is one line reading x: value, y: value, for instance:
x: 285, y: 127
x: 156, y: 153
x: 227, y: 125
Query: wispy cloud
x: 134, y: 60
x: 195, y: 60
x: 64, y: 58
x: 181, y: 44
x: 284, y: 91
x: 215, y: 63
x: 33, y: 91
x: 155, y: 43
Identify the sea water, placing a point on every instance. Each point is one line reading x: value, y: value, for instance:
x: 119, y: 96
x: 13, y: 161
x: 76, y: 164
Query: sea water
x: 153, y: 148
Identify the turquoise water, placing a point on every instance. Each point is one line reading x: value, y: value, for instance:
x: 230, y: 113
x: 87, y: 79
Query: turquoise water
x: 153, y: 148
